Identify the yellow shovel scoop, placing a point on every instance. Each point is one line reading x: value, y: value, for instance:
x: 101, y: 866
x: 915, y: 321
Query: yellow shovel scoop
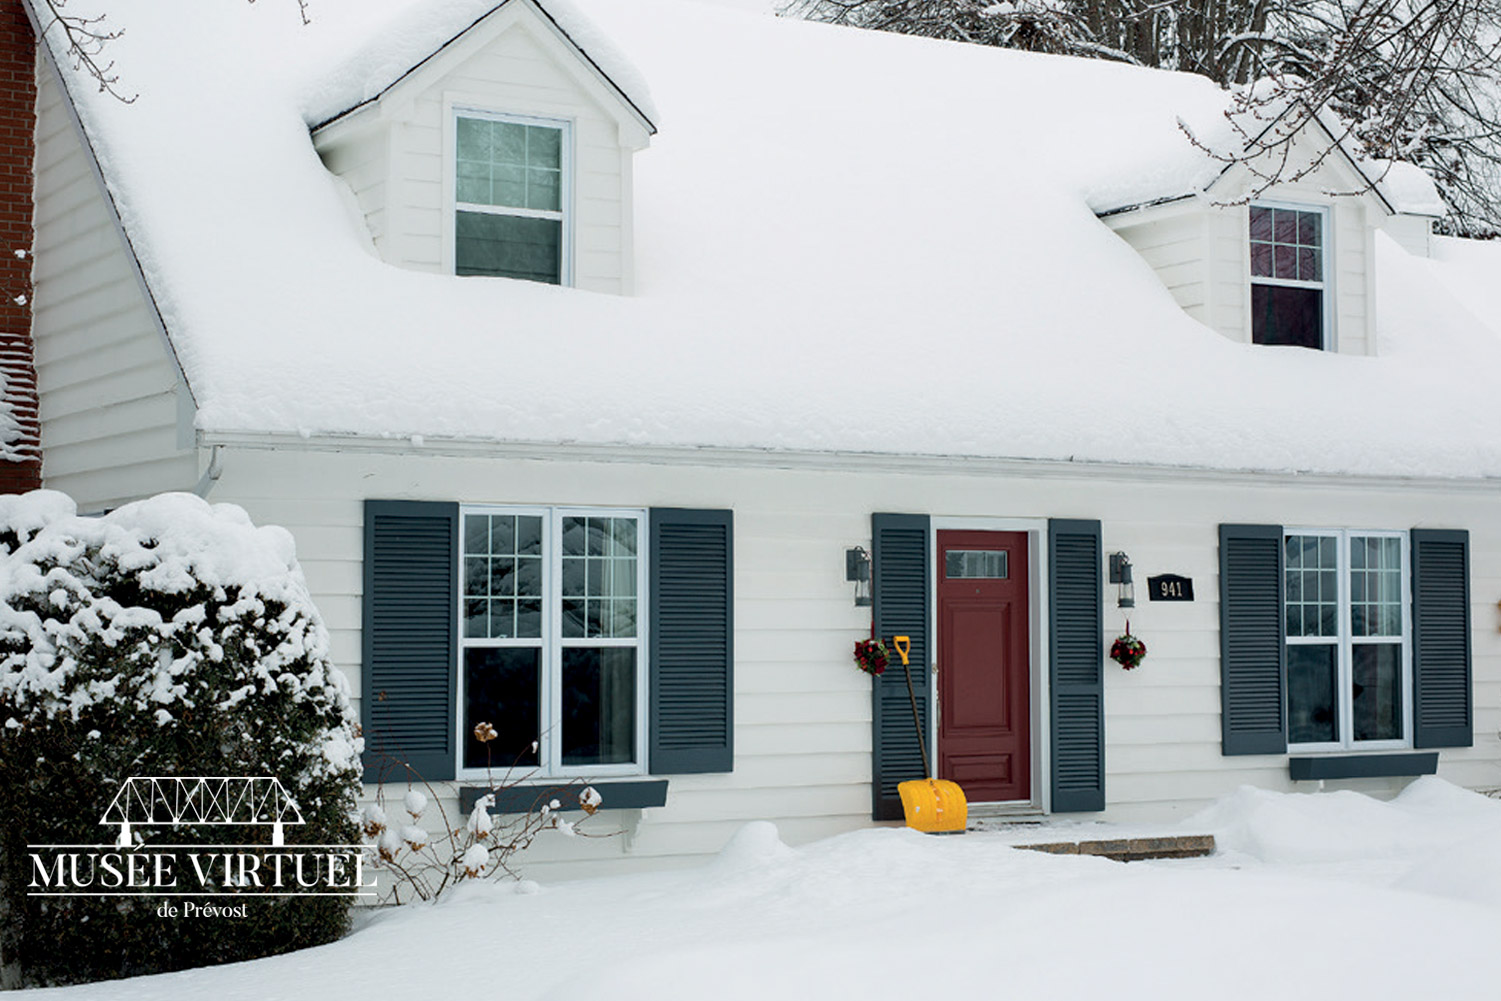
x: 933, y: 806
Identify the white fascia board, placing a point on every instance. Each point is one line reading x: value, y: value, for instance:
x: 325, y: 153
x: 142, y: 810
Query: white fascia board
x: 350, y: 125
x: 829, y: 461
x: 1148, y: 212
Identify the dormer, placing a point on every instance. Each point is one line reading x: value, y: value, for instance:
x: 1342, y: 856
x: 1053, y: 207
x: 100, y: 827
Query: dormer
x: 1292, y: 263
x: 505, y: 152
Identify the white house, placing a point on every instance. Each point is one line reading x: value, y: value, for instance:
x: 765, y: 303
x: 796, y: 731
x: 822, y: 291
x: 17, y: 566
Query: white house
x: 580, y: 344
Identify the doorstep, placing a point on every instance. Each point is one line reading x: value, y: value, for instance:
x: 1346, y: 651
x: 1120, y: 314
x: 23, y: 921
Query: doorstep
x: 1132, y: 849
x: 1122, y: 842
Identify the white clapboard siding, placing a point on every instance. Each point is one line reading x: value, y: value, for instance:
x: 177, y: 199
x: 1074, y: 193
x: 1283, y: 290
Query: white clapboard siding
x: 1413, y: 233
x: 363, y: 163
x: 802, y: 710
x: 399, y: 168
x: 1172, y: 242
x: 112, y: 404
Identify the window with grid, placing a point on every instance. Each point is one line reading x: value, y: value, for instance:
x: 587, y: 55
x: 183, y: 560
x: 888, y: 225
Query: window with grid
x: 552, y: 640
x: 511, y: 193
x: 1348, y: 680
x: 1287, y: 276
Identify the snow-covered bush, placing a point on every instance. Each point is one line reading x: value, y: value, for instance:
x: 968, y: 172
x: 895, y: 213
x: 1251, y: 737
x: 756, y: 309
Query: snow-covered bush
x: 167, y: 638
x: 419, y: 864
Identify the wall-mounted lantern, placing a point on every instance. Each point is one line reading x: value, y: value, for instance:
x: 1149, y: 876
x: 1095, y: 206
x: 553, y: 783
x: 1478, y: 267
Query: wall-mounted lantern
x: 1120, y: 575
x: 857, y: 571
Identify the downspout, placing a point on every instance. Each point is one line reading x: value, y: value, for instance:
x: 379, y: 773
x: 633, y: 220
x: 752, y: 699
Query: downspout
x: 210, y: 475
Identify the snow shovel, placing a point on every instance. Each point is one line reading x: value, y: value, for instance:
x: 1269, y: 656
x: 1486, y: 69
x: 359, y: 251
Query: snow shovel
x: 933, y: 806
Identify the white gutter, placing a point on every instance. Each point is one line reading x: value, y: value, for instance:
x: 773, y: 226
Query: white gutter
x: 827, y: 461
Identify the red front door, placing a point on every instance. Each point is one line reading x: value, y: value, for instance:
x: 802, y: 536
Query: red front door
x: 984, y: 665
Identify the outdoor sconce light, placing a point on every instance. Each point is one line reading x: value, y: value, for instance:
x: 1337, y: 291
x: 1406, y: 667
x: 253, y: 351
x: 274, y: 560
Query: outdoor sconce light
x: 857, y: 570
x: 1120, y: 575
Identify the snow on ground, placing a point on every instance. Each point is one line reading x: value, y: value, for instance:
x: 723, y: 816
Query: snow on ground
x: 1321, y: 896
x: 846, y: 241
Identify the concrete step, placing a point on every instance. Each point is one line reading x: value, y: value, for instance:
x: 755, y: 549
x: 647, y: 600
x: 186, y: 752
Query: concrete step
x: 1132, y: 849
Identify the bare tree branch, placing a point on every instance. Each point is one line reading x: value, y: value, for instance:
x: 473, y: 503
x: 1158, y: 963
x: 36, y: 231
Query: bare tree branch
x: 85, y: 38
x: 1414, y: 80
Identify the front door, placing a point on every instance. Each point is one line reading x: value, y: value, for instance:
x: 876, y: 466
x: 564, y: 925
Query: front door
x: 984, y: 665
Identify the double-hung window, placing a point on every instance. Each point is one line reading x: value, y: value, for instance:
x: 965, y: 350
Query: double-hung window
x: 1288, y: 269
x: 1345, y: 601
x: 552, y: 655
x: 512, y: 191
x: 1345, y: 640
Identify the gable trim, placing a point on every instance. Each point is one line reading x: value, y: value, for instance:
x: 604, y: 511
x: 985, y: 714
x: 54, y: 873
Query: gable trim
x: 44, y: 49
x: 547, y: 18
x: 1371, y: 187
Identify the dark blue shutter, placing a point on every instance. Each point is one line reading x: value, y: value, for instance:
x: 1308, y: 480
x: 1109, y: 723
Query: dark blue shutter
x: 692, y: 641
x: 1441, y: 638
x: 1076, y: 665
x: 409, y: 637
x: 1253, y: 656
x: 901, y: 583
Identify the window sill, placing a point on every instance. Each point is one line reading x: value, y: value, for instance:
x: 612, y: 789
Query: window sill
x: 1363, y: 766
x: 629, y: 795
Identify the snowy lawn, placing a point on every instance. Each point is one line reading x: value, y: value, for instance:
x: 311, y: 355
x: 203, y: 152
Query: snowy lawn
x: 1326, y: 896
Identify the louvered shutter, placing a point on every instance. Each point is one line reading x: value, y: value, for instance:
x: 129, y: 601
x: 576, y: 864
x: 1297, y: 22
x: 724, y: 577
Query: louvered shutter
x: 1253, y: 656
x: 692, y: 637
x: 1076, y: 665
x: 901, y: 582
x: 1441, y: 638
x: 409, y: 637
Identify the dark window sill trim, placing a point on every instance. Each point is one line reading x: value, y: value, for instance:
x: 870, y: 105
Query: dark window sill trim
x: 1363, y: 766
x: 631, y: 794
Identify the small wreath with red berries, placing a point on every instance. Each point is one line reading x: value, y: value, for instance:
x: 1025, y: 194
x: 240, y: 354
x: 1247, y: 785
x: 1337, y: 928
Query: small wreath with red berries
x: 1127, y: 650
x: 871, y: 656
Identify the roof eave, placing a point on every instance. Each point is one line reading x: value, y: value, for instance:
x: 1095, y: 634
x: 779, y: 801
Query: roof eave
x: 444, y: 446
x: 1149, y: 204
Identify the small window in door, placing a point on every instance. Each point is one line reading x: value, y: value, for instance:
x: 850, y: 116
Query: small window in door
x: 975, y: 564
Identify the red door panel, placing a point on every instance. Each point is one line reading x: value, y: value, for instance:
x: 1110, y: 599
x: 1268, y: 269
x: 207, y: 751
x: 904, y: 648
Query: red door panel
x: 984, y: 665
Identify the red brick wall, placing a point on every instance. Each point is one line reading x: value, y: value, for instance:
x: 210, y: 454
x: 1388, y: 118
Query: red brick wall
x: 17, y: 134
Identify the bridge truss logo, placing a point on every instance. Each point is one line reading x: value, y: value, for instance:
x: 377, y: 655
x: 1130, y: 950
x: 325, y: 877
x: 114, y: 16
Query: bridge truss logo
x: 228, y: 800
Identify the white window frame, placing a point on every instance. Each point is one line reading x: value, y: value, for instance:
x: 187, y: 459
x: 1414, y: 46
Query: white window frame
x: 452, y: 205
x: 1344, y: 641
x: 1325, y: 287
x: 550, y: 698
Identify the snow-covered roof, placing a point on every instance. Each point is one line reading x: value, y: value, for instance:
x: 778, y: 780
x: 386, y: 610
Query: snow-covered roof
x: 845, y: 241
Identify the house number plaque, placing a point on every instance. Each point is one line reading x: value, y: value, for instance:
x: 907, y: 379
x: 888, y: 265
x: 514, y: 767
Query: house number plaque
x: 1170, y: 587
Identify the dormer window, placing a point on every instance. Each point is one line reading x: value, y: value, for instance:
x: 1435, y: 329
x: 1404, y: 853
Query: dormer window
x: 1287, y: 276
x: 512, y: 190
